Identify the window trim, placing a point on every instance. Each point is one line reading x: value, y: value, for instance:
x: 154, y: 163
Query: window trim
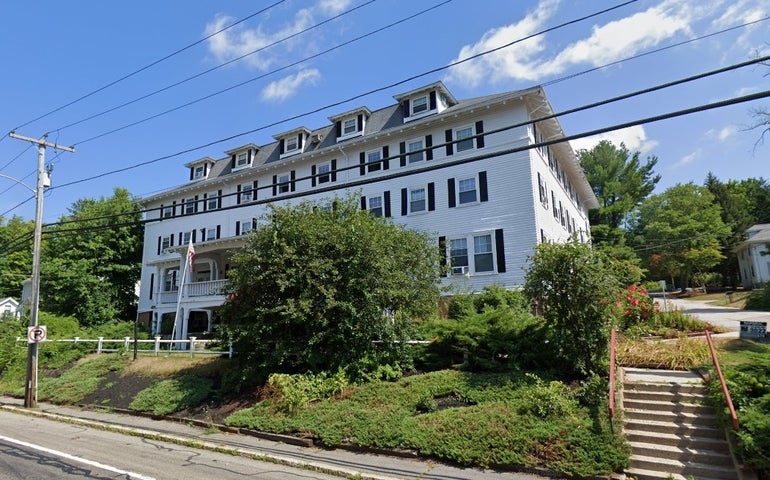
x: 418, y: 151
x: 410, y: 192
x: 414, y: 101
x: 475, y: 190
x: 377, y: 165
x: 461, y: 141
x: 212, y: 197
x: 381, y: 207
x: 324, y: 177
x: 495, y: 243
x: 199, y: 172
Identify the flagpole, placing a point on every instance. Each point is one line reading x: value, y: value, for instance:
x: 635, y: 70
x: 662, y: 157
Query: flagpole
x: 187, y: 265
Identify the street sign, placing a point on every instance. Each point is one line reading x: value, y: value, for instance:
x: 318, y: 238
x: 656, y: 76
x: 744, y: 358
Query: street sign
x: 36, y: 334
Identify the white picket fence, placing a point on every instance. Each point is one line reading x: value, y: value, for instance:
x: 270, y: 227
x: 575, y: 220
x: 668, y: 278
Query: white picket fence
x: 191, y: 346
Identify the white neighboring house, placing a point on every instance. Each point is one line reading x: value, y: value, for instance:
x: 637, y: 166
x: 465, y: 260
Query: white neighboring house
x: 9, y: 308
x: 477, y: 174
x: 753, y: 266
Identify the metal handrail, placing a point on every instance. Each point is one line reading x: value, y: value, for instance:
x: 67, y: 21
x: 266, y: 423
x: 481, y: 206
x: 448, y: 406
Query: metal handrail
x: 613, y: 339
x: 725, y: 391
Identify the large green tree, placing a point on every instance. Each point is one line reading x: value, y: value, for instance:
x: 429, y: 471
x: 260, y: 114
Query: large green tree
x: 620, y: 182
x: 15, y: 255
x: 682, y: 229
x: 92, y: 260
x: 315, y: 287
x: 574, y: 288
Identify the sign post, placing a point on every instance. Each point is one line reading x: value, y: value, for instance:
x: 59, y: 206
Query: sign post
x: 37, y: 334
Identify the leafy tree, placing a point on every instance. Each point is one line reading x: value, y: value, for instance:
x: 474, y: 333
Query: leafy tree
x: 574, y: 289
x: 315, y: 287
x: 92, y: 260
x: 15, y: 255
x: 620, y: 182
x: 682, y: 227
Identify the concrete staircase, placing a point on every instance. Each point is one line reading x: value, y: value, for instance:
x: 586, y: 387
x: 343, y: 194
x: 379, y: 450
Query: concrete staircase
x: 672, y: 433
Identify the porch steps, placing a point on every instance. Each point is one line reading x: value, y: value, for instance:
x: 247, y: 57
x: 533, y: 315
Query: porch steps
x: 673, y: 434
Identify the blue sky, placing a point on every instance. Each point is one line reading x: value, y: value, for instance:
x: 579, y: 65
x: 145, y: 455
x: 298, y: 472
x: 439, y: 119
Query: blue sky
x: 57, y: 52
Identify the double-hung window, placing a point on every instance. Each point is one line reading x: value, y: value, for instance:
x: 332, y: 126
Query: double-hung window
x: 374, y: 160
x: 375, y: 206
x: 168, y: 212
x: 211, y: 233
x: 165, y: 244
x: 242, y: 159
x: 186, y: 238
x: 247, y: 226
x: 284, y: 183
x: 324, y: 171
x: 464, y: 138
x: 458, y: 256
x: 212, y: 201
x: 482, y: 253
x: 170, y: 280
x: 417, y: 200
x: 350, y: 126
x: 199, y: 172
x: 467, y: 190
x: 247, y: 192
x: 189, y: 206
x: 415, y: 146
x: 419, y: 105
x: 292, y: 144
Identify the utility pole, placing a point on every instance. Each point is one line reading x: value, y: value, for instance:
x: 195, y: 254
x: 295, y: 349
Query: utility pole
x: 43, y: 181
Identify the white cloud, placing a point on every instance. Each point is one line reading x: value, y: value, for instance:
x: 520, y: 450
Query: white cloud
x: 724, y: 133
x: 634, y: 138
x: 688, y: 159
x: 264, y: 48
x: 612, y: 41
x: 286, y: 87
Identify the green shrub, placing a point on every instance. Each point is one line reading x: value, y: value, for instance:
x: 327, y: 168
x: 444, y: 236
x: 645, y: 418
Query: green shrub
x: 759, y: 299
x: 544, y: 400
x: 296, y: 391
x: 492, y: 297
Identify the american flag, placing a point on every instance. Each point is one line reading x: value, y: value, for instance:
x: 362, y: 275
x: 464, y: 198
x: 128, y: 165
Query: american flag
x: 190, y: 254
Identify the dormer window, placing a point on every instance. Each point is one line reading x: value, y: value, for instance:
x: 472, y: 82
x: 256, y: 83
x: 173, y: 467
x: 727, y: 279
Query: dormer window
x: 291, y: 145
x: 199, y: 172
x: 419, y: 105
x: 351, y: 123
x: 242, y: 159
x: 349, y: 126
x: 293, y: 142
x: 243, y: 156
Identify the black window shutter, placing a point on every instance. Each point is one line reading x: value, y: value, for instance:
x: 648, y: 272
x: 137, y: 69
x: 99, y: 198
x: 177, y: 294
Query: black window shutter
x: 362, y: 162
x: 251, y: 155
x: 254, y: 190
x: 385, y: 155
x: 404, y: 200
x: 219, y: 231
x: 232, y: 161
x: 203, y: 235
x: 192, y: 172
x: 282, y: 146
x: 406, y: 108
x: 159, y: 240
x: 195, y: 208
x: 431, y: 196
x: 479, y: 131
x: 500, y: 250
x: 334, y: 170
x: 293, y: 180
x: 193, y: 235
x: 237, y: 228
x: 300, y: 141
x: 402, y: 151
x: 363, y: 202
x: 275, y: 185
x: 180, y: 239
x: 450, y: 187
x: 238, y: 196
x: 433, y: 100
x: 205, y: 203
x: 338, y: 126
x: 171, y: 239
x: 152, y: 284
x: 448, y: 140
x: 442, y: 251
x: 360, y: 122
x: 312, y: 175
x: 173, y: 208
x: 219, y: 199
x: 483, y: 193
x: 386, y: 200
x: 428, y: 145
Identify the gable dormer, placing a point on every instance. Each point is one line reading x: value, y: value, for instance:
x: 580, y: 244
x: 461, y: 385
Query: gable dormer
x: 292, y: 142
x: 242, y: 157
x: 424, y: 101
x: 199, y: 169
x: 351, y: 124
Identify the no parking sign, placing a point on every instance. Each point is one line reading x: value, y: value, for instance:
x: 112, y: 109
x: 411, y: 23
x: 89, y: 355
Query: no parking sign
x: 36, y: 334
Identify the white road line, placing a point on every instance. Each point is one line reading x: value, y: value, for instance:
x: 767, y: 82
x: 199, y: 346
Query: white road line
x: 76, y: 459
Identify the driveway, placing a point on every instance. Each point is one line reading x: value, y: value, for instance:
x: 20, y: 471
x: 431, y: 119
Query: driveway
x: 727, y: 317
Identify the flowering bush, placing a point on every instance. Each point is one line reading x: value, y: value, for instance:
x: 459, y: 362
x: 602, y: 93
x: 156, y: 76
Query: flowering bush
x: 635, y: 306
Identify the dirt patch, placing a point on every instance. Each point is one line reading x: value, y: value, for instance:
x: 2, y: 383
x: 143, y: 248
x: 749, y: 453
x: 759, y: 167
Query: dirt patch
x: 118, y: 390
x: 215, y: 411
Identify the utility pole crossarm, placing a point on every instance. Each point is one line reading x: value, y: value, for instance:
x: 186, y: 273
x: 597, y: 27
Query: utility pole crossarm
x: 41, y: 142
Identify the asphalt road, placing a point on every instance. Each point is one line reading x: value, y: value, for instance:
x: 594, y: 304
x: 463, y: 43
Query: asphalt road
x: 727, y: 317
x: 38, y: 448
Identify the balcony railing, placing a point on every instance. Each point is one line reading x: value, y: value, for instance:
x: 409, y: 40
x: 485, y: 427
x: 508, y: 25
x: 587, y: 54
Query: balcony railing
x: 196, y: 289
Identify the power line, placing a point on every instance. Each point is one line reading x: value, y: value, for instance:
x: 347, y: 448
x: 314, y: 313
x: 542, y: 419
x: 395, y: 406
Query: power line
x: 200, y: 74
x: 152, y: 64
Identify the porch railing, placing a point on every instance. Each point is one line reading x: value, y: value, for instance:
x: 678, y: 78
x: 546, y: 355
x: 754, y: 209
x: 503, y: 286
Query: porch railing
x: 196, y: 289
x: 155, y: 346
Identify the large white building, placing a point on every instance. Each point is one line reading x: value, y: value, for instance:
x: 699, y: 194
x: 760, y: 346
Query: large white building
x: 482, y: 175
x: 753, y: 263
